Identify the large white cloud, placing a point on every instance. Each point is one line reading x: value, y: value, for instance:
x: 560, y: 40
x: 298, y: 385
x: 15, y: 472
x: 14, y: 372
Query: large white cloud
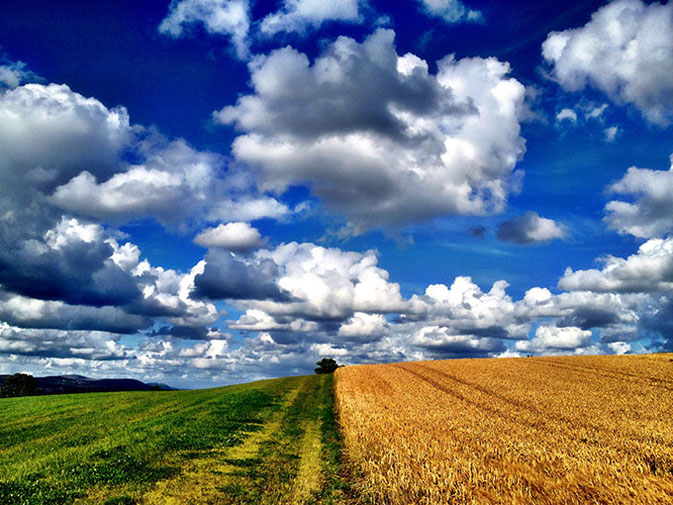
x: 172, y: 172
x: 327, y: 283
x: 464, y: 309
x: 650, y: 214
x: 378, y: 137
x: 626, y: 50
x: 49, y: 134
x: 63, y: 150
x: 649, y: 270
x: 224, y: 17
x: 297, y: 15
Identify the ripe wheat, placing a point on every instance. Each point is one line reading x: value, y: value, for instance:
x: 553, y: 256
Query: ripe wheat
x: 561, y: 430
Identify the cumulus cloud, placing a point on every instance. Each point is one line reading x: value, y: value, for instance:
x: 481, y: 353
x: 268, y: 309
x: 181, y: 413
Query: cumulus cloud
x: 236, y: 237
x: 247, y: 207
x: 24, y: 312
x: 172, y: 172
x: 72, y: 263
x: 63, y: 150
x: 650, y: 214
x: 463, y: 308
x: 615, y: 314
x: 225, y: 275
x: 298, y: 15
x: 552, y: 338
x: 440, y: 342
x: 378, y: 137
x: 324, y: 284
x: 451, y: 11
x: 87, y: 345
x: 364, y: 325
x: 649, y: 270
x: 530, y: 229
x: 49, y: 134
x: 222, y: 17
x: 592, y: 111
x: 56, y: 145
x: 626, y: 51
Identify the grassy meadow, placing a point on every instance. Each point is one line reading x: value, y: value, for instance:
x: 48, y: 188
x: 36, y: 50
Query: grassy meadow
x: 552, y: 430
x: 268, y: 442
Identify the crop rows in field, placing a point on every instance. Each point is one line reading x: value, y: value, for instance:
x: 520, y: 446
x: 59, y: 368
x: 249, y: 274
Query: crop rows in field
x: 556, y: 430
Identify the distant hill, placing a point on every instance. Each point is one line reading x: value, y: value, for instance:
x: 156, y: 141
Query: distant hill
x: 61, y: 384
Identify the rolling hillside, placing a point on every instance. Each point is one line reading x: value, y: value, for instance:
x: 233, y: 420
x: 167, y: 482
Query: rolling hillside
x: 541, y: 431
x: 267, y: 442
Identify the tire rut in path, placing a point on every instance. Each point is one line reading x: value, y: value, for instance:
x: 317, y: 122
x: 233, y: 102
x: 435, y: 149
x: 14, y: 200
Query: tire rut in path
x: 203, y: 477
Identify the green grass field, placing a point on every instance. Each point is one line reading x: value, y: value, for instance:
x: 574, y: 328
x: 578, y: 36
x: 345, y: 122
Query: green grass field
x: 268, y: 442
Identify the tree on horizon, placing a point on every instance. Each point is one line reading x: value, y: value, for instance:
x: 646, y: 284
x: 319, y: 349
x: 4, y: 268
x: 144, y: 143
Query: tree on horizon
x: 19, y: 384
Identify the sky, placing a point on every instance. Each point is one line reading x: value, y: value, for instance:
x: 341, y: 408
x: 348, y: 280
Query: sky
x: 206, y: 192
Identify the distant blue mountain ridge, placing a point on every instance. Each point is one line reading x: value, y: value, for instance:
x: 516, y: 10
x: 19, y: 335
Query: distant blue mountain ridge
x: 62, y: 384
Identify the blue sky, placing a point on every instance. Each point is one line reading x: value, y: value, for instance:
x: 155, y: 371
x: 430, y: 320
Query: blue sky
x: 211, y: 191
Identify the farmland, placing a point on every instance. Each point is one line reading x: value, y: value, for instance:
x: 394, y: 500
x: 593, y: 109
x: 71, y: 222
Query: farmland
x: 554, y: 430
x: 269, y: 442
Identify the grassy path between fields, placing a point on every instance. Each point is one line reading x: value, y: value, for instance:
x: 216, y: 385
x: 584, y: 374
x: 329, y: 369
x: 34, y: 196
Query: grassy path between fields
x: 279, y: 444
x: 281, y: 463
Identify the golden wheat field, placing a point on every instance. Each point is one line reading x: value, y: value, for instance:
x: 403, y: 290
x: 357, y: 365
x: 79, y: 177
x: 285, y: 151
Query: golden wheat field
x: 552, y: 430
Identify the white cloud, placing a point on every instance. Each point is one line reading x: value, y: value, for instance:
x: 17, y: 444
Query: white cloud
x: 626, y: 50
x: 224, y: 17
x: 620, y: 347
x: 329, y: 350
x: 568, y: 114
x: 464, y: 309
x: 49, y: 134
x: 595, y: 111
x: 530, y: 229
x: 14, y: 73
x: 364, y: 325
x: 376, y: 136
x: 649, y: 270
x: 553, y: 338
x: 322, y: 284
x: 297, y: 15
x: 651, y: 212
x: 247, y: 207
x: 237, y: 237
x: 451, y: 11
x: 25, y: 312
x: 60, y: 146
x: 172, y: 172
x: 440, y: 340
x: 611, y: 133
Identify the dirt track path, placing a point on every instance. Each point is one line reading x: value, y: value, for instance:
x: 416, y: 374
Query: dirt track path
x: 280, y: 463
